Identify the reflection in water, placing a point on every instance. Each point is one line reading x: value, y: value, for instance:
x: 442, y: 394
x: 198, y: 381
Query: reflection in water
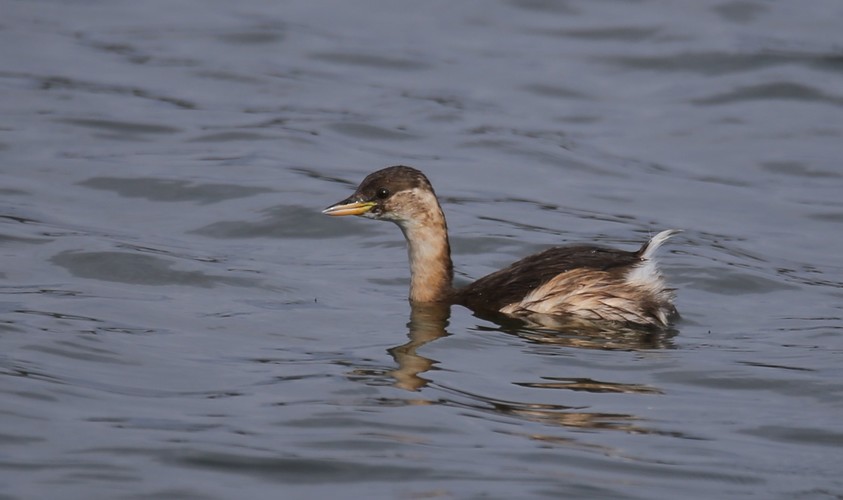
x: 428, y: 322
x: 556, y: 415
x: 589, y: 385
x: 621, y: 339
x: 585, y: 334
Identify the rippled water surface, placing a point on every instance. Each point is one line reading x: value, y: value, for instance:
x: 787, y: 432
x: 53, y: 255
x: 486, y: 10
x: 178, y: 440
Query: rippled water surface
x: 180, y: 321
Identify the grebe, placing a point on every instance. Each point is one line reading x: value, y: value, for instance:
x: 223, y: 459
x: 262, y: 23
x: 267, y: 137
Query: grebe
x: 582, y: 281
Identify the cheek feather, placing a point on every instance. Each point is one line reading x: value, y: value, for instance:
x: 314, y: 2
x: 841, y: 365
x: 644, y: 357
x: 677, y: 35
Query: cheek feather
x: 415, y: 206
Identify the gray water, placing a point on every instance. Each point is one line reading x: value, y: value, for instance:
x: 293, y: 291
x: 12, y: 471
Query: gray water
x: 180, y: 321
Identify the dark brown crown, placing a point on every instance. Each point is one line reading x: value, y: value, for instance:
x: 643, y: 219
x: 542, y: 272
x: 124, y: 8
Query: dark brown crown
x: 393, y: 179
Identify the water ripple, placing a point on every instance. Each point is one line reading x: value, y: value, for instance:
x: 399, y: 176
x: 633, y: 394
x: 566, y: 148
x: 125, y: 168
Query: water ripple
x: 780, y: 91
x: 171, y: 189
x: 122, y: 267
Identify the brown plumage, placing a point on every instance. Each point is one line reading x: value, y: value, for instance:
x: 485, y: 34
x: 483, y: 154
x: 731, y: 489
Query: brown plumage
x: 582, y: 281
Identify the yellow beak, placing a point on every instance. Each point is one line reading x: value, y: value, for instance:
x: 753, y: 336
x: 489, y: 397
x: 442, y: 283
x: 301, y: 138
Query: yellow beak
x: 347, y: 207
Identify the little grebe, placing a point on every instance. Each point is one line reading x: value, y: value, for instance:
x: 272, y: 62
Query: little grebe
x: 583, y: 281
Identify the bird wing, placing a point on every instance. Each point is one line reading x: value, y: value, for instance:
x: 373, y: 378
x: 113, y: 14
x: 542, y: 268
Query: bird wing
x: 513, y: 283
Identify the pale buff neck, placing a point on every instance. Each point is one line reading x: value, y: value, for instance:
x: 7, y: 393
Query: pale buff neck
x: 431, y: 270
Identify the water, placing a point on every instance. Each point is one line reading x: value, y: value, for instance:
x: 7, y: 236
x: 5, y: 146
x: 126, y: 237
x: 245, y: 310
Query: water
x: 180, y: 321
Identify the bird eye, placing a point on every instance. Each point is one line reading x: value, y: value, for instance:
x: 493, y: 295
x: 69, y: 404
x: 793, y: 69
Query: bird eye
x: 382, y: 193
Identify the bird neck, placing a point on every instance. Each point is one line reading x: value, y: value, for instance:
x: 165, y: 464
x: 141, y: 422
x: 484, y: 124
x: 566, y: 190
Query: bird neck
x: 431, y: 269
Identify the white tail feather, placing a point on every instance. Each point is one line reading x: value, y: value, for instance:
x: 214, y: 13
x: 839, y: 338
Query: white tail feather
x: 646, y: 273
x: 657, y: 241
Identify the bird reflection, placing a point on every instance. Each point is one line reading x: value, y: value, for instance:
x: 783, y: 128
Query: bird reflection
x: 428, y: 322
x: 586, y: 334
